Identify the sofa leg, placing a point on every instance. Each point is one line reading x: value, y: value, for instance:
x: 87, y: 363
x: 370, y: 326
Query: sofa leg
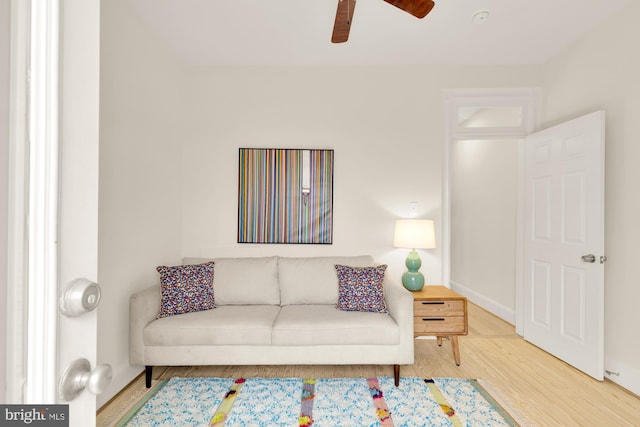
x: 396, y: 375
x: 148, y: 371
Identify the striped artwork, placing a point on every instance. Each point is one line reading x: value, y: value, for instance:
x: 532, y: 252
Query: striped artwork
x: 285, y: 196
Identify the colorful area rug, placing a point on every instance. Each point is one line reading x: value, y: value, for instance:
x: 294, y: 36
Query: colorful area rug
x: 328, y: 402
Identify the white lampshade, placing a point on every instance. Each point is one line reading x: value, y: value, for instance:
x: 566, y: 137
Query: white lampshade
x: 414, y: 234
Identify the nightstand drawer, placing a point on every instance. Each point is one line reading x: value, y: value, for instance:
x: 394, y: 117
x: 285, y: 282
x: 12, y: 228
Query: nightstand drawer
x: 438, y: 308
x: 439, y: 325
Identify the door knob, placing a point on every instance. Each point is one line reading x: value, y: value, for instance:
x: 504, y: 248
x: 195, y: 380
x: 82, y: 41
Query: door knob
x: 79, y: 376
x: 589, y: 258
x: 81, y: 296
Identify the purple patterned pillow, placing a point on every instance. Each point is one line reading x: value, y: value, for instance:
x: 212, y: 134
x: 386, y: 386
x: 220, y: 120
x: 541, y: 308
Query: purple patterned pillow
x: 361, y: 289
x: 186, y: 288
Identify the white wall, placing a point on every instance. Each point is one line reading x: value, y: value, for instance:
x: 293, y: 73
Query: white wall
x: 140, y: 177
x: 4, y: 154
x: 601, y: 72
x: 484, y: 179
x: 385, y: 124
x: 376, y: 130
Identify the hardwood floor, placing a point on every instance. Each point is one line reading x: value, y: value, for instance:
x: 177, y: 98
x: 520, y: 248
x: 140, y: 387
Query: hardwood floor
x: 536, y: 387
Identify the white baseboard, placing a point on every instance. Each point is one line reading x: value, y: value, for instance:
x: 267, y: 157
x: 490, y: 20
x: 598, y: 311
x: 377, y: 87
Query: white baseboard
x: 621, y: 374
x: 505, y: 313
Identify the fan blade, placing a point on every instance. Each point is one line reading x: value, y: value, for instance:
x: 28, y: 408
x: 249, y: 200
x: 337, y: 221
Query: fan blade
x: 418, y: 8
x: 342, y: 24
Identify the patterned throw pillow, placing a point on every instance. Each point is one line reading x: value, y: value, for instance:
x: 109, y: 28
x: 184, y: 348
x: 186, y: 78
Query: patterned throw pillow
x: 186, y: 288
x: 361, y: 289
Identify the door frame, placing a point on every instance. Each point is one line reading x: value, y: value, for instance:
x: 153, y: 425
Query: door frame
x: 18, y: 207
x: 32, y: 285
x: 530, y: 100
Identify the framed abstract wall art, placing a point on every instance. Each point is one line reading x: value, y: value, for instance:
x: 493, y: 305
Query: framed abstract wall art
x: 285, y: 196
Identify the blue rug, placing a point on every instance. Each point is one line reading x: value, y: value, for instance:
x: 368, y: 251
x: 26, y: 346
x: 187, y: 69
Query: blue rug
x: 327, y: 402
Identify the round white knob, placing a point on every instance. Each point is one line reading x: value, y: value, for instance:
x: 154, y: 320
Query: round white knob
x: 99, y: 379
x: 79, y: 376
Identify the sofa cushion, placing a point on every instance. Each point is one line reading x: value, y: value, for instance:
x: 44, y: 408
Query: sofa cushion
x: 326, y: 325
x: 186, y: 288
x: 313, y: 280
x: 226, y: 325
x: 361, y: 288
x: 241, y: 281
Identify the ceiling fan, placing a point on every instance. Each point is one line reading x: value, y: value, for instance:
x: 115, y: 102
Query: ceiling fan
x: 344, y: 14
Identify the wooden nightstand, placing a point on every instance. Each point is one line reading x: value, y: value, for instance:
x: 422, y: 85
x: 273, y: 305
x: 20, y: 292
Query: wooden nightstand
x: 440, y: 312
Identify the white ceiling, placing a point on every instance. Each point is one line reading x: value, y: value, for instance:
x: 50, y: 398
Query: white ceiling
x: 298, y: 32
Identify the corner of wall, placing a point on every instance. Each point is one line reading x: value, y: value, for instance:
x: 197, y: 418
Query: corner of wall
x: 622, y: 374
x: 505, y: 313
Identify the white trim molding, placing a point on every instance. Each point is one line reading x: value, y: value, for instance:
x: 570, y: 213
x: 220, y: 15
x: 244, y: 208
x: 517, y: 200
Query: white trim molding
x: 43, y: 120
x: 529, y: 100
x: 622, y: 374
x: 33, y: 203
x: 17, y: 257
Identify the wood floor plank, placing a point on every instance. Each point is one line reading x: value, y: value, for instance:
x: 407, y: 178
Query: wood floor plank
x: 535, y: 386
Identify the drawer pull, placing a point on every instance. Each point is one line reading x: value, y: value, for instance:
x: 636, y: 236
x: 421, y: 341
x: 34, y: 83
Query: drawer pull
x: 433, y: 319
x: 432, y: 302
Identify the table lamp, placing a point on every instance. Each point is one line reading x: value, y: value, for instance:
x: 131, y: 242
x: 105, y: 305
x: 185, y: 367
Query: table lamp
x: 414, y: 234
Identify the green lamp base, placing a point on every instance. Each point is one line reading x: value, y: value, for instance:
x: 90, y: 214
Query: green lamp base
x: 413, y: 280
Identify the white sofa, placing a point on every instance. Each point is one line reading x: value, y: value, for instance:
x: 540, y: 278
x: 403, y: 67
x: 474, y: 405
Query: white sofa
x: 273, y: 311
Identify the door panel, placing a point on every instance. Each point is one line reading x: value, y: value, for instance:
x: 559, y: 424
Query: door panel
x: 564, y: 220
x: 574, y: 207
x: 542, y: 209
x: 541, y: 293
x: 78, y: 220
x: 573, y: 289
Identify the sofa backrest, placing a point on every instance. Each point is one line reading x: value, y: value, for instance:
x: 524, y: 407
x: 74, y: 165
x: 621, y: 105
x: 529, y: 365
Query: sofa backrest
x: 313, y: 280
x: 244, y: 281
x: 278, y: 280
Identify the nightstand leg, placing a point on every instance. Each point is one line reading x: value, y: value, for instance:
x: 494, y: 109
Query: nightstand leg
x: 439, y: 340
x: 456, y: 348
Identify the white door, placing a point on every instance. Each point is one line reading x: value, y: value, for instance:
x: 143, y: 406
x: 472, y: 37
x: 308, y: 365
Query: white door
x: 54, y: 200
x: 78, y: 189
x: 564, y: 242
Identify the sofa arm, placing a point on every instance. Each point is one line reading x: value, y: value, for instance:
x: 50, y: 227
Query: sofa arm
x: 400, y: 304
x: 144, y: 307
